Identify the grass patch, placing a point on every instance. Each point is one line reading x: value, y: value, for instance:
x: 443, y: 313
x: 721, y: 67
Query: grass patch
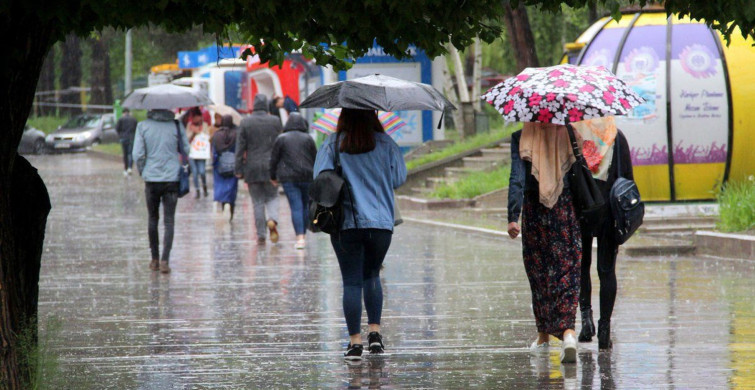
x: 40, y: 361
x: 47, y: 124
x: 736, y: 203
x: 474, y: 184
x: 463, y: 146
x: 113, y: 148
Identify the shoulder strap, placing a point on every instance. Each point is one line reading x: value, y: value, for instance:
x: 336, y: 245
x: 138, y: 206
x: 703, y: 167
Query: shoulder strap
x: 180, y: 140
x: 575, y: 147
x: 339, y: 171
x: 617, y: 151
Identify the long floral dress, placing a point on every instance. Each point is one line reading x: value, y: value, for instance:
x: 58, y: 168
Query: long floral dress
x: 552, y: 249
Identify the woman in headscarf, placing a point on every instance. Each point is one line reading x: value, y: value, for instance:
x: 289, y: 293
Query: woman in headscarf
x: 224, y: 160
x: 602, y: 145
x: 541, y: 156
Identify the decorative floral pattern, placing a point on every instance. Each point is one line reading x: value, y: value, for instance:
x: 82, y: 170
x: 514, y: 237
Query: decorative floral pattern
x: 552, y: 249
x: 562, y: 93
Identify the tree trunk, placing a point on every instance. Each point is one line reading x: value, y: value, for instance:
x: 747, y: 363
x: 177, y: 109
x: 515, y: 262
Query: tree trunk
x: 592, y: 12
x: 70, y: 74
x: 24, y: 203
x: 520, y: 35
x: 477, y: 75
x: 467, y: 112
x: 448, y: 88
x: 102, y: 90
x: 47, y: 84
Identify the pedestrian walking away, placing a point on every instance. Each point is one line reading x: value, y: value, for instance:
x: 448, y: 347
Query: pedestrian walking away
x: 541, y: 155
x: 155, y: 150
x: 126, y: 129
x: 199, y: 139
x: 291, y: 164
x: 603, y: 146
x: 225, y: 184
x: 254, y: 144
x: 372, y: 166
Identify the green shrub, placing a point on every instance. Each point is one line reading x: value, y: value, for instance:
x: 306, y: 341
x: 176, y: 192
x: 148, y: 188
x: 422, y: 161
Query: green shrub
x: 736, y: 203
x: 47, y: 124
x: 470, y: 143
x: 474, y: 184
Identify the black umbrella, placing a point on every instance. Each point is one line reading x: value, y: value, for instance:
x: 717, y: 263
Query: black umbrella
x: 378, y: 92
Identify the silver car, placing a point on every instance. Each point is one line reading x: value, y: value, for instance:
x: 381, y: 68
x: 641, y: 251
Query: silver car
x: 83, y: 131
x: 32, y: 141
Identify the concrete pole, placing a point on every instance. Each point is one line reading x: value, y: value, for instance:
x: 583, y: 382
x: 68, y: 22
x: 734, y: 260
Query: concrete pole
x: 129, y: 60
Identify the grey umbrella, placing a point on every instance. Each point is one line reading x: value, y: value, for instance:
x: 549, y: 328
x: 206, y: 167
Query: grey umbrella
x: 378, y: 92
x: 165, y: 96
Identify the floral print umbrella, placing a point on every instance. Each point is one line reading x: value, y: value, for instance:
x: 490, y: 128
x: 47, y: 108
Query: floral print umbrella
x: 562, y: 94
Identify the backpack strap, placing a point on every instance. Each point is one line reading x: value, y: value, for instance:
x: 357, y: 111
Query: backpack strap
x: 339, y: 171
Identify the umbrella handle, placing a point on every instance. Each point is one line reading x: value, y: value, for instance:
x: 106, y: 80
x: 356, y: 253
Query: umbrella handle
x: 442, y: 113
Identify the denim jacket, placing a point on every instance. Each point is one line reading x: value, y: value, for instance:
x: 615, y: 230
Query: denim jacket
x: 372, y: 177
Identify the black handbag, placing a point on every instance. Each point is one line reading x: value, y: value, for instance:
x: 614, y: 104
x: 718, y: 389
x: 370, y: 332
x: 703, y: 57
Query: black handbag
x: 588, y: 200
x: 627, y: 207
x: 183, y: 170
x: 326, y: 198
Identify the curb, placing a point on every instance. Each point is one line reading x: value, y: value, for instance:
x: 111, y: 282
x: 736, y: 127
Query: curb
x: 632, y: 251
x: 736, y: 246
x: 105, y: 156
x: 465, y: 228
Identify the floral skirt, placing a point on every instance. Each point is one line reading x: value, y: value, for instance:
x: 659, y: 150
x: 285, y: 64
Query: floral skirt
x: 552, y: 248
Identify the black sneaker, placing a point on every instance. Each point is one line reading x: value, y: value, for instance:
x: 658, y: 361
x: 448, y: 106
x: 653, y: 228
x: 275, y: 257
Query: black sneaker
x: 375, y: 341
x: 353, y: 352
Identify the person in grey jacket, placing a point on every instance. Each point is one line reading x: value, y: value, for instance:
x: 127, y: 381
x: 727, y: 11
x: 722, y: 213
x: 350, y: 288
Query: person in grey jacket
x: 291, y: 163
x: 156, y: 155
x: 254, y: 144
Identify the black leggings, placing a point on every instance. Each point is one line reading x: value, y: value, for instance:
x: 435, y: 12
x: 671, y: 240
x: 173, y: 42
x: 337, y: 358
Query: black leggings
x: 607, y: 251
x: 360, y: 254
x: 167, y: 194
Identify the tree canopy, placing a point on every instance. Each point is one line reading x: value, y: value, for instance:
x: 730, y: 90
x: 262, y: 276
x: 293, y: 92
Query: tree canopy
x: 336, y: 31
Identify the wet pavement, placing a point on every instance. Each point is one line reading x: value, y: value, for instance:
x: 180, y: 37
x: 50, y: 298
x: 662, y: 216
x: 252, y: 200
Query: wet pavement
x: 457, y: 306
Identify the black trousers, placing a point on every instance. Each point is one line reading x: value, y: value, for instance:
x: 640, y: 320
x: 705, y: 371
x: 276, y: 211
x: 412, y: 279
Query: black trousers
x: 167, y: 194
x: 607, y: 251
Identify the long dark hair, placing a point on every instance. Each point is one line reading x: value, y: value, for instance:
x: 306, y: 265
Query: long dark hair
x: 358, y: 128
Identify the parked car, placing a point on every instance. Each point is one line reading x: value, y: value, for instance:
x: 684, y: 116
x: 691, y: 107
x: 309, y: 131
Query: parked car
x: 83, y: 131
x: 32, y: 141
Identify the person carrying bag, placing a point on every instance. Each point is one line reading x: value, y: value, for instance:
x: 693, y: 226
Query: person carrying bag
x: 358, y: 168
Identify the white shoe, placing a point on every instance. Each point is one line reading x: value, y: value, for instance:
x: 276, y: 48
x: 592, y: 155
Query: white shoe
x: 125, y: 173
x: 569, y: 349
x: 128, y: 171
x: 539, y: 348
x: 300, y: 244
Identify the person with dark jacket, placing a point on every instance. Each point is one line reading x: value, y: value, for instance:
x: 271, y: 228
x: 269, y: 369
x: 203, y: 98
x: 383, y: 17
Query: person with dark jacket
x: 126, y: 129
x: 225, y: 185
x: 254, y: 143
x: 291, y: 163
x: 541, y: 156
x: 605, y: 176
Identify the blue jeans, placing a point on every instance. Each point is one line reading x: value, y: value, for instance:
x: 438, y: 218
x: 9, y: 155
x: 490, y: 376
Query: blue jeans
x: 298, y: 200
x: 198, y: 170
x: 360, y: 254
x: 128, y: 161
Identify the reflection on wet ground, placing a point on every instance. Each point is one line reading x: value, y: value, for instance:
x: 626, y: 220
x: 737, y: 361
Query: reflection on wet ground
x: 457, y: 306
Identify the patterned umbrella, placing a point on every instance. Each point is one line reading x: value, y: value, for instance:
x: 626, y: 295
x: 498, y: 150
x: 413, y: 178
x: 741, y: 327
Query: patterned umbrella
x: 561, y: 94
x: 328, y: 121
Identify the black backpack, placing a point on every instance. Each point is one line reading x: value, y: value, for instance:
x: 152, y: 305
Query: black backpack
x: 627, y: 207
x: 326, y: 198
